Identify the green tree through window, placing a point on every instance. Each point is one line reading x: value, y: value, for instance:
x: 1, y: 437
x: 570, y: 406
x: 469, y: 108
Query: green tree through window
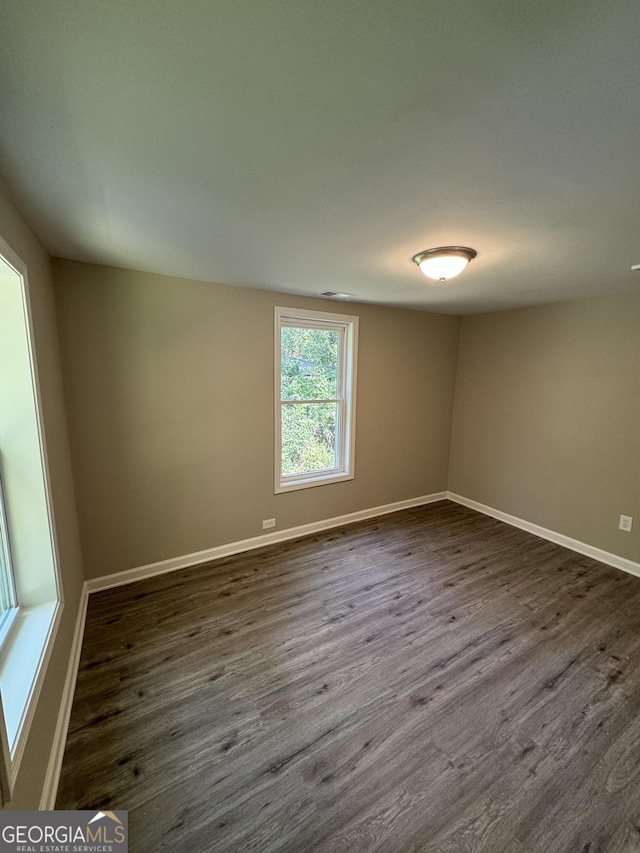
x: 309, y: 364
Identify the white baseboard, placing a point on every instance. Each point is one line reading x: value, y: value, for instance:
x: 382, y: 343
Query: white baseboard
x: 172, y: 565
x: 614, y: 560
x: 52, y: 778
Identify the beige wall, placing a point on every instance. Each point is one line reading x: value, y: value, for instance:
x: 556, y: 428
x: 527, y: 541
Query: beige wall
x: 169, y: 388
x: 21, y: 239
x: 547, y: 417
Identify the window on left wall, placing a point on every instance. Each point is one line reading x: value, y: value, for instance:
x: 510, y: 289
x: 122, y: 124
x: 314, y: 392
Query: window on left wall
x: 30, y: 588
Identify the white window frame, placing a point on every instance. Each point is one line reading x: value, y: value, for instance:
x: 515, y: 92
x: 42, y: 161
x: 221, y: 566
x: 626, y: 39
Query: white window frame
x: 347, y: 327
x: 26, y: 649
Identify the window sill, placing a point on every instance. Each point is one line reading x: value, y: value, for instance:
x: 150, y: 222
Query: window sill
x: 322, y: 479
x: 23, y: 660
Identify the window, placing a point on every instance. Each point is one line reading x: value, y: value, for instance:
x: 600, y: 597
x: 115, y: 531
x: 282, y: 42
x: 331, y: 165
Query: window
x: 315, y: 383
x: 30, y: 592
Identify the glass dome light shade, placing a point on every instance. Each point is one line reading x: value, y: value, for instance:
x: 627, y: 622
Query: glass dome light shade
x: 445, y: 262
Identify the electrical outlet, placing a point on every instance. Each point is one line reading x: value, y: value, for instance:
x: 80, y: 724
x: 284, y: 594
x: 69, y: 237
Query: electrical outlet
x: 268, y: 522
x: 626, y: 523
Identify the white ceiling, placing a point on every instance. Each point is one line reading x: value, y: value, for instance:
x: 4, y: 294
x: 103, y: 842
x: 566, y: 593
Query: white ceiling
x: 310, y: 145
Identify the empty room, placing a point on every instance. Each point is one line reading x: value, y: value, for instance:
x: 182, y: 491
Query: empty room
x: 320, y: 424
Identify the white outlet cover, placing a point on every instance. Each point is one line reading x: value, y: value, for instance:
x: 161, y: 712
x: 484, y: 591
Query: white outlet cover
x: 626, y: 523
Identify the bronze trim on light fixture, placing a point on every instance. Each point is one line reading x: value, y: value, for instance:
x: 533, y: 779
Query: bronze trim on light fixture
x: 459, y: 251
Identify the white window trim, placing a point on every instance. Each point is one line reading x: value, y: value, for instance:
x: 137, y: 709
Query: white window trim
x: 27, y: 649
x: 347, y: 325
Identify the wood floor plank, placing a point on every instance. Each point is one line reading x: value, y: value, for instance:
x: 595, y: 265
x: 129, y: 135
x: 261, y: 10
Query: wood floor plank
x: 432, y: 680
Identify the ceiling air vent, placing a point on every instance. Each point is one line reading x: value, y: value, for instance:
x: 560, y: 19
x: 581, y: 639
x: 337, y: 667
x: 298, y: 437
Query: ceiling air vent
x: 336, y: 294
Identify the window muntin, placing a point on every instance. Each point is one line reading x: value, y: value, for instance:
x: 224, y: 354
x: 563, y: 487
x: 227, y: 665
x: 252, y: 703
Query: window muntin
x: 315, y: 360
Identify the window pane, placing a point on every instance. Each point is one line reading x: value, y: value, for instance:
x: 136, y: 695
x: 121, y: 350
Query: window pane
x: 308, y: 437
x: 309, y: 364
x: 7, y: 598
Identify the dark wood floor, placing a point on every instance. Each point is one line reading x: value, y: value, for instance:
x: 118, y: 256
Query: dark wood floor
x: 431, y: 681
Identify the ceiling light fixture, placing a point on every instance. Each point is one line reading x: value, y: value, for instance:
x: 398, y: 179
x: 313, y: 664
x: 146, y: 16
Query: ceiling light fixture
x: 444, y: 262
